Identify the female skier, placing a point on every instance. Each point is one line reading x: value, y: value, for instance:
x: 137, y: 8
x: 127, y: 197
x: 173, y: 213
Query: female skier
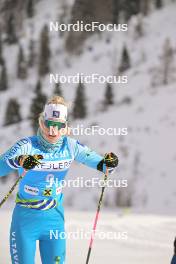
x: 44, y: 159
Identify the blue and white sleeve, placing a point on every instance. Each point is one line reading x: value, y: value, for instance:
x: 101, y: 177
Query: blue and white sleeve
x: 85, y: 155
x: 8, y: 160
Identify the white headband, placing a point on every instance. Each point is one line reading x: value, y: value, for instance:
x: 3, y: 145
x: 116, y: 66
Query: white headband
x: 55, y: 111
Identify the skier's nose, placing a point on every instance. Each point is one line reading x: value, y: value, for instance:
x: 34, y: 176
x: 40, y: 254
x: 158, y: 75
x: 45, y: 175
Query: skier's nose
x: 53, y: 131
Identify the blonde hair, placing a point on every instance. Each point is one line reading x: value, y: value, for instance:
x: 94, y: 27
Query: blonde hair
x: 56, y: 99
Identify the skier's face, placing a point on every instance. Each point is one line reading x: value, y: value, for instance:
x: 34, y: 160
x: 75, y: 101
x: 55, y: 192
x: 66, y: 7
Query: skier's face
x: 52, y: 132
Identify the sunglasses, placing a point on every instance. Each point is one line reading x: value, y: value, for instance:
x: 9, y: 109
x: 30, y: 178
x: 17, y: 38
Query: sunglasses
x: 59, y: 125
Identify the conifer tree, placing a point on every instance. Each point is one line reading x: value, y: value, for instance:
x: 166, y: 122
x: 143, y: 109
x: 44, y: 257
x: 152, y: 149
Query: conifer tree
x: 158, y: 4
x: 12, y: 115
x: 167, y: 62
x: 139, y: 28
x: 57, y: 89
x: 3, y: 78
x: 11, y: 30
x: 125, y: 63
x: 21, y: 65
x: 79, y: 109
x: 30, y: 8
x: 145, y: 7
x: 116, y: 11
x: 1, y: 50
x: 37, y: 105
x: 32, y: 55
x: 44, y: 56
x: 109, y: 96
x: 130, y: 8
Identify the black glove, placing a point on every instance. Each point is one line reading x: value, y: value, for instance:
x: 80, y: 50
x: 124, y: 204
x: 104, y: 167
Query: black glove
x: 110, y: 160
x: 28, y: 162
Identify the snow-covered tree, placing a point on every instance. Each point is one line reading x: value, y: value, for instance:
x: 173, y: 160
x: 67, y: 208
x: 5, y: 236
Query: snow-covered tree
x: 44, y: 56
x: 165, y: 72
x: 125, y: 62
x: 109, y: 95
x: 167, y: 62
x: 37, y: 105
x: 21, y: 64
x: 57, y: 89
x: 63, y: 15
x: 32, y: 55
x: 12, y: 115
x: 116, y: 11
x: 123, y: 199
x: 30, y: 8
x: 130, y: 8
x: 1, y: 50
x: 11, y: 30
x: 38, y: 87
x: 159, y: 3
x: 145, y: 7
x: 139, y: 27
x: 79, y: 109
x: 3, y: 78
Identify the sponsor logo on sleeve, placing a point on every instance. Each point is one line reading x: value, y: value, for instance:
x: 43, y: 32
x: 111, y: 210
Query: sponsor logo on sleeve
x: 15, y: 150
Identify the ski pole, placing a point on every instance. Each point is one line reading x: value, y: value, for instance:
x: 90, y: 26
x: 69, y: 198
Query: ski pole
x: 97, y: 216
x: 12, y: 188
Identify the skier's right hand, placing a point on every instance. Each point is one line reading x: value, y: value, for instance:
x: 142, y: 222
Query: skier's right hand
x: 28, y: 162
x: 110, y: 160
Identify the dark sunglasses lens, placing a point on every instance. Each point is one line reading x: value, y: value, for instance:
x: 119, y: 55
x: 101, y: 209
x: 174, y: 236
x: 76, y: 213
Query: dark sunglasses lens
x: 57, y: 124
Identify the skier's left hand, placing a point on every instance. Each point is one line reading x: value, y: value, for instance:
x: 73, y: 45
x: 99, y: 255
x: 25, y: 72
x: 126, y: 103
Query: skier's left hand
x: 110, y: 160
x: 28, y: 162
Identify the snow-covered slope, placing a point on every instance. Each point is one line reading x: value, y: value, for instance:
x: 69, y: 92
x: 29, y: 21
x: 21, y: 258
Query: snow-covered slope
x: 147, y: 154
x: 149, y: 238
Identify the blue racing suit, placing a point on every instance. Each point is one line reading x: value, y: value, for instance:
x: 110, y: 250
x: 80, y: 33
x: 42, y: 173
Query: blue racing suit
x: 39, y: 211
x: 173, y: 259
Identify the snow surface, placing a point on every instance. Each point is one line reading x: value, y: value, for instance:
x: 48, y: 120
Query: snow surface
x: 149, y: 238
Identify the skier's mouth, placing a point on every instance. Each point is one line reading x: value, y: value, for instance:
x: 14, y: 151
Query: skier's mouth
x: 52, y: 136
